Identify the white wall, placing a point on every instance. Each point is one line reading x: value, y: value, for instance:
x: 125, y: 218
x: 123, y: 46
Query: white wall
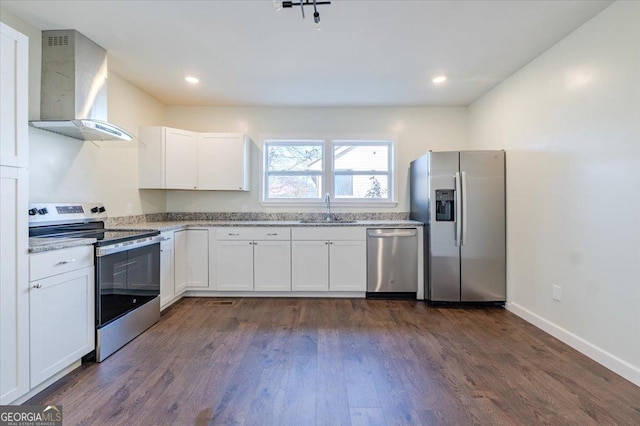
x: 417, y: 129
x: 65, y: 169
x: 570, y: 122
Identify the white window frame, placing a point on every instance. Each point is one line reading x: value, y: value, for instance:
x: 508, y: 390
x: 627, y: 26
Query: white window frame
x: 389, y: 173
x: 328, y: 172
x: 296, y: 142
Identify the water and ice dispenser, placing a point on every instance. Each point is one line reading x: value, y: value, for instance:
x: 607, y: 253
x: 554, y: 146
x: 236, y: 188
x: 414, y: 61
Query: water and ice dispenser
x: 445, y: 207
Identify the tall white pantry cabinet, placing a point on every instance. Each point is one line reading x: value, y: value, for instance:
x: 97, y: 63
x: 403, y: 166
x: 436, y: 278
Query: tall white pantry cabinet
x: 14, y: 235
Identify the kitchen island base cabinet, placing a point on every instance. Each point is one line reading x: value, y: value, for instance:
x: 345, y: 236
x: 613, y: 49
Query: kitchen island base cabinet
x: 191, y: 260
x: 62, y: 322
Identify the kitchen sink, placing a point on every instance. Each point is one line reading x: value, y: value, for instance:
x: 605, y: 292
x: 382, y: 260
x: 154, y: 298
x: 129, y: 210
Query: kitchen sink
x: 332, y: 221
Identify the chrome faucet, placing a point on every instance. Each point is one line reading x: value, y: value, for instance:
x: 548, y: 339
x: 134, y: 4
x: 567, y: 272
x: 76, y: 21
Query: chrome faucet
x: 327, y: 200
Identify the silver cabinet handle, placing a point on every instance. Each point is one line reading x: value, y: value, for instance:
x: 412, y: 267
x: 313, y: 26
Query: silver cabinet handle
x: 165, y: 238
x: 37, y: 285
x: 326, y: 242
x: 255, y: 243
x: 65, y: 262
x: 235, y: 234
x: 274, y: 234
x: 330, y: 242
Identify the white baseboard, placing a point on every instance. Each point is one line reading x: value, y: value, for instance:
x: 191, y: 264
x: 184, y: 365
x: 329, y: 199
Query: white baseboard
x: 612, y: 362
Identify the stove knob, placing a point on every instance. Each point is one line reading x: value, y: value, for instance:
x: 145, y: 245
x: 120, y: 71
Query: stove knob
x: 33, y: 212
x: 43, y: 210
x: 94, y: 209
x: 102, y: 210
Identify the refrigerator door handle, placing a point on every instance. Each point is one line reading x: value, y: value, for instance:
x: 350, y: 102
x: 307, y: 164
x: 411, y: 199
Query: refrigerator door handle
x: 458, y: 211
x: 463, y: 237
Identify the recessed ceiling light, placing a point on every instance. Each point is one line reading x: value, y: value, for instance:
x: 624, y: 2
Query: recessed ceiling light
x: 192, y: 80
x: 439, y: 79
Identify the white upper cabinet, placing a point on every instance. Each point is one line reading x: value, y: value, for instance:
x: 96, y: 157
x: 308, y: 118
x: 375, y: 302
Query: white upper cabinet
x: 14, y: 64
x: 223, y: 161
x: 179, y: 159
x: 181, y: 153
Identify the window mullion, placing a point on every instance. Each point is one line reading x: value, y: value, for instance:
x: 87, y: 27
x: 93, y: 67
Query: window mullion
x: 328, y: 168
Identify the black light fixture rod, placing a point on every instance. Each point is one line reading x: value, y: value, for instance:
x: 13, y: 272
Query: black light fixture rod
x: 303, y: 3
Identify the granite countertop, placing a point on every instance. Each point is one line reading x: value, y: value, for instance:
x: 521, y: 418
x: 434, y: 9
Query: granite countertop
x: 38, y: 245
x: 174, y: 225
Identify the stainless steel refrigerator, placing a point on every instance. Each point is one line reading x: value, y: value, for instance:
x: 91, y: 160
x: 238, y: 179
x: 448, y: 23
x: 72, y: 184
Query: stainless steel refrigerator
x: 460, y: 197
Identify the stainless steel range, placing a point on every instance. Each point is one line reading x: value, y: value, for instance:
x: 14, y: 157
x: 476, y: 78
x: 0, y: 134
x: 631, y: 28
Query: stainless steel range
x: 127, y: 269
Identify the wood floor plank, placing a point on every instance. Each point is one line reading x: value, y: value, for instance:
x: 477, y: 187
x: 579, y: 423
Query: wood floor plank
x: 342, y: 362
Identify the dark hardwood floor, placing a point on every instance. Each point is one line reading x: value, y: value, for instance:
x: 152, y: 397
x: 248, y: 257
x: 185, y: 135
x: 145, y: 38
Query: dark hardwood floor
x: 341, y: 362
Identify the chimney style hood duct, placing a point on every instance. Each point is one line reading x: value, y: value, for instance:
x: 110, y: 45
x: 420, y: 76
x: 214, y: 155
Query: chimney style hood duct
x: 73, y: 97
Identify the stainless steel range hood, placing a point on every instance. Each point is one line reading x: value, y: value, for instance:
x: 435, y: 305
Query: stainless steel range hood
x: 73, y: 97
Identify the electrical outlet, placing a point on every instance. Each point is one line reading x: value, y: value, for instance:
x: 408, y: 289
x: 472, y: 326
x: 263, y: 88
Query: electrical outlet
x: 557, y: 293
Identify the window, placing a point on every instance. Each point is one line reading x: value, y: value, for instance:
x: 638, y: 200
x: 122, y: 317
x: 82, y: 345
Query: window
x: 351, y: 171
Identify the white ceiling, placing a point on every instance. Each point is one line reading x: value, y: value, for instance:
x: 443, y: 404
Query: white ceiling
x: 368, y: 53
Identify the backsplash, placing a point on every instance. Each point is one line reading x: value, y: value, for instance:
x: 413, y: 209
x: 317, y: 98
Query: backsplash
x: 244, y: 216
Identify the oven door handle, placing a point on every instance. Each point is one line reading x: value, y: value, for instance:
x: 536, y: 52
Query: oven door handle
x: 117, y: 248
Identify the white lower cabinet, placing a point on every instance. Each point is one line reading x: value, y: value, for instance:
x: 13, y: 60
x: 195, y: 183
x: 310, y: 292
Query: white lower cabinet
x: 310, y: 265
x: 347, y: 266
x: 61, y: 310
x: 329, y: 259
x: 272, y: 265
x: 167, y: 270
x: 14, y: 284
x: 253, y: 259
x: 191, y: 259
x: 234, y: 265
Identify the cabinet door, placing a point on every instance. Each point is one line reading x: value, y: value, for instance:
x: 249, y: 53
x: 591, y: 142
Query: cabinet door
x: 272, y: 265
x: 180, y: 159
x: 14, y: 285
x: 181, y: 261
x: 309, y: 265
x: 62, y: 322
x: 234, y: 265
x: 347, y: 266
x: 14, y: 74
x: 198, y: 258
x: 222, y: 162
x: 167, y: 279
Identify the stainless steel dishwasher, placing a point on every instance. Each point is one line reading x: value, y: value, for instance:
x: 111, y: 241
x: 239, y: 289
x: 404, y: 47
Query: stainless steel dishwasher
x: 392, y: 262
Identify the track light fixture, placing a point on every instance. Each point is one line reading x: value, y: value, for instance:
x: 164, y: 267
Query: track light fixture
x: 277, y: 5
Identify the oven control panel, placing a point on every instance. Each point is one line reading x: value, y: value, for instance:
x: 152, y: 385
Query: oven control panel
x: 48, y: 213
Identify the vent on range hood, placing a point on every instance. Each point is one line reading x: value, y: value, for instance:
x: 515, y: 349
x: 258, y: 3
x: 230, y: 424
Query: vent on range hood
x: 73, y: 97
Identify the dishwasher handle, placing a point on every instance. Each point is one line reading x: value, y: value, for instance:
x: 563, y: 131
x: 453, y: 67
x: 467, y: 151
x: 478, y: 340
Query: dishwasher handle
x: 391, y: 233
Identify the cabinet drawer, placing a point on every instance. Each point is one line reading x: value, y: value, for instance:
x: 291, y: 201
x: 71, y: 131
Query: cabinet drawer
x: 329, y: 233
x: 254, y: 233
x: 59, y: 261
x: 166, y: 241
